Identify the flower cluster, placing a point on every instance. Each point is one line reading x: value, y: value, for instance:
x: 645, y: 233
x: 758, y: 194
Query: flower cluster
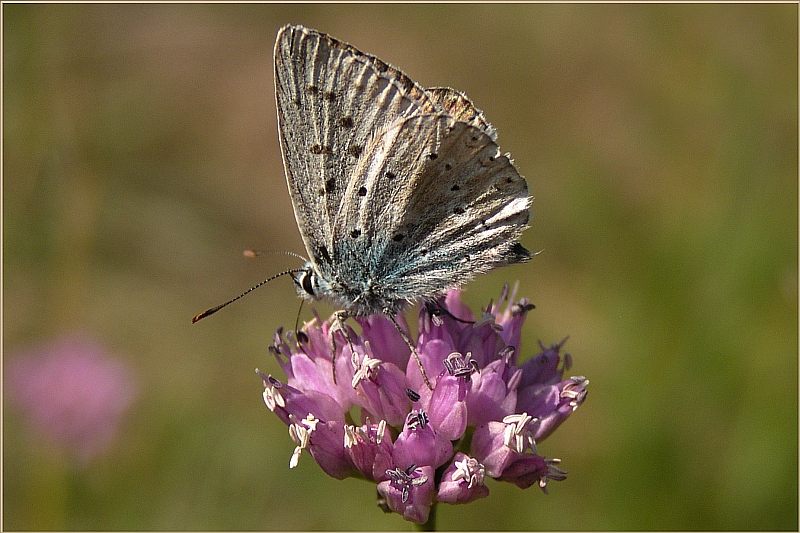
x: 361, y: 406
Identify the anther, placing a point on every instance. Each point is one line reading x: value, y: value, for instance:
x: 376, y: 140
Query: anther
x: 406, y: 479
x: 469, y: 470
x: 300, y: 433
x: 272, y: 396
x: 460, y: 365
x: 366, y: 369
x: 417, y: 419
x: 516, y: 435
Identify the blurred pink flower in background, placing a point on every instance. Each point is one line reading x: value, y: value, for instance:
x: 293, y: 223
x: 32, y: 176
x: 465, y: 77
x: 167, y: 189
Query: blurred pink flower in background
x: 72, y: 392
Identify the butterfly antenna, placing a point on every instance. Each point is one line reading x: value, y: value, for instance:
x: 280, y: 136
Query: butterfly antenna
x: 214, y: 309
x: 434, y: 308
x: 251, y: 253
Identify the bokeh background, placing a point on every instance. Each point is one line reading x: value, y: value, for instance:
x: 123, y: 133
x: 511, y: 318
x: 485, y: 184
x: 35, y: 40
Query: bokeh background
x: 660, y: 142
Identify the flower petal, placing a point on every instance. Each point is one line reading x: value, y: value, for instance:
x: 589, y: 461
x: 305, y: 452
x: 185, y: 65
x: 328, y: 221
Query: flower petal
x: 387, y: 343
x: 447, y: 408
x: 421, y: 446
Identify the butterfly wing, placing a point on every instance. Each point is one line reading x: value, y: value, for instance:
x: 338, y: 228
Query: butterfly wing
x: 457, y: 105
x: 449, y: 207
x: 331, y: 98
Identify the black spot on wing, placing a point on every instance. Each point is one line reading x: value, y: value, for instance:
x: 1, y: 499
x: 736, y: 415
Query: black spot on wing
x: 320, y: 149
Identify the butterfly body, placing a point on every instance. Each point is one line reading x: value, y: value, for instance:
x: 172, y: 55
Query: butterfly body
x: 400, y: 193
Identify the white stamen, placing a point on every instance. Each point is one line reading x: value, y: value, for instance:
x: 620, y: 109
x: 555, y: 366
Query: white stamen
x: 508, y: 436
x: 295, y: 457
x: 349, y: 436
x: 381, y: 430
x: 469, y: 470
x: 366, y: 370
x: 419, y: 480
x: 516, y: 433
x: 300, y: 433
x: 355, y: 435
x: 310, y: 421
x: 273, y: 397
x: 575, y: 395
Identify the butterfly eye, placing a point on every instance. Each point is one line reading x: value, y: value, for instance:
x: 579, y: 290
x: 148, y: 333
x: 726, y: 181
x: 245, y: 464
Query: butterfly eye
x: 307, y: 282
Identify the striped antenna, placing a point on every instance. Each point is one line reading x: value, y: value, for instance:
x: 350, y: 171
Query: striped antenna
x: 214, y: 309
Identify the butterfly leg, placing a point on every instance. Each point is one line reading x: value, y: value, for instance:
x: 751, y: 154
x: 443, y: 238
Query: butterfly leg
x: 339, y: 318
x: 299, y: 334
x: 412, y: 348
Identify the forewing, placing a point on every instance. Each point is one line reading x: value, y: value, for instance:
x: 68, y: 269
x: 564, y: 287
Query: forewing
x: 331, y: 99
x: 433, y: 203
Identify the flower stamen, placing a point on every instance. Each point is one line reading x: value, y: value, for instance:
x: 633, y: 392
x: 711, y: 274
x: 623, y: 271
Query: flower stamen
x: 553, y: 472
x: 413, y: 395
x: 469, y: 470
x: 381, y: 431
x: 406, y: 479
x: 272, y: 396
x: 517, y: 435
x: 300, y: 433
x: 366, y: 369
x: 575, y: 390
x: 417, y: 419
x: 460, y: 366
x: 364, y: 434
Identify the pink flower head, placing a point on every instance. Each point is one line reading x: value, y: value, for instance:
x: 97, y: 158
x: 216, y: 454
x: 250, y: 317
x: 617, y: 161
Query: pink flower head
x: 482, y: 416
x: 73, y: 393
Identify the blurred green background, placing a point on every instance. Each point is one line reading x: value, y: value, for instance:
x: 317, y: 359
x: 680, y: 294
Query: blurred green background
x: 660, y: 142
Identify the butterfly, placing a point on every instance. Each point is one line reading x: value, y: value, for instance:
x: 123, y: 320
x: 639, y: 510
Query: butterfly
x: 400, y: 192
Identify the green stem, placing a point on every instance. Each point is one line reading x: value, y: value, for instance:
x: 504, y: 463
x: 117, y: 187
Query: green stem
x: 430, y: 525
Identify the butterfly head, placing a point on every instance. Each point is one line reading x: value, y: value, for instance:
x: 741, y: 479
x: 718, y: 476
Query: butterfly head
x: 307, y: 282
